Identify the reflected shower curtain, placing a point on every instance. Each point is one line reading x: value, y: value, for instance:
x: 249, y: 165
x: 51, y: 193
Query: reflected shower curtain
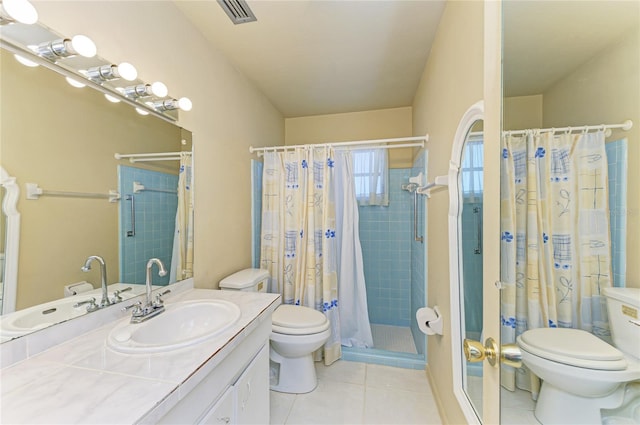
x: 298, y: 238
x: 355, y: 328
x: 182, y: 258
x: 555, y: 248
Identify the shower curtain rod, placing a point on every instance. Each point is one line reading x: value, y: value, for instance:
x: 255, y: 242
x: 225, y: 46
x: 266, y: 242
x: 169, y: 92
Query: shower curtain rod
x: 401, y: 140
x: 626, y: 126
x: 145, y: 157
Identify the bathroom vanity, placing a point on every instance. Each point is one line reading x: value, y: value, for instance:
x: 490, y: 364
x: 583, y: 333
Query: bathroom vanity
x: 223, y: 379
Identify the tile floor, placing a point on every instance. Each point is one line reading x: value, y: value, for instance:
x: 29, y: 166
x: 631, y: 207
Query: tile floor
x: 359, y: 393
x: 516, y: 407
x: 393, y: 338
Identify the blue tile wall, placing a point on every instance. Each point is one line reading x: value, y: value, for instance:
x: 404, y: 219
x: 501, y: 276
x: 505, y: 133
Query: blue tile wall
x: 617, y: 163
x: 256, y: 211
x: 155, y: 215
x: 385, y: 236
x: 418, y: 260
x: 472, y: 268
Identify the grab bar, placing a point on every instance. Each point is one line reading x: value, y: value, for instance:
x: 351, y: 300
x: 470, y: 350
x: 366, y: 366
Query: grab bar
x: 132, y: 232
x: 415, y: 219
x: 476, y: 211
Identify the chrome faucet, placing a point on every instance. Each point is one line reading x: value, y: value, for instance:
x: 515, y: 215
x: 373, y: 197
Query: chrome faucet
x: 104, y: 302
x: 151, y: 308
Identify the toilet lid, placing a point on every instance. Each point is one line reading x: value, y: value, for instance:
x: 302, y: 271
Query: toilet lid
x: 573, y: 347
x: 298, y: 320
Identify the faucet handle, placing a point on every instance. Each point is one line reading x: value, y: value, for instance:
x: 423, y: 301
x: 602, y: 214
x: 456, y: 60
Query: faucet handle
x: 135, y: 306
x: 159, y: 301
x: 116, y: 294
x: 92, y: 306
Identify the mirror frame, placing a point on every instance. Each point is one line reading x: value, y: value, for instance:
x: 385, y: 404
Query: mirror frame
x: 11, y: 253
x: 473, y: 114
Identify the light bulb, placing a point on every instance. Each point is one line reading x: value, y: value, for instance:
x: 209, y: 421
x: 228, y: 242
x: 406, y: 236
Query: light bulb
x: 142, y: 111
x: 21, y: 11
x: 127, y: 71
x: 84, y: 46
x: 185, y: 104
x: 159, y: 89
x: 25, y: 61
x: 74, y: 83
x: 111, y: 99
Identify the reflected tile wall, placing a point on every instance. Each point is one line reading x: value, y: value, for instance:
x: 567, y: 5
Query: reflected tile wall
x: 155, y: 214
x: 256, y: 211
x: 617, y: 163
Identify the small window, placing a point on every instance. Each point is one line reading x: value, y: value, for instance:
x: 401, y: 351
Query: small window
x: 472, y: 169
x: 371, y: 176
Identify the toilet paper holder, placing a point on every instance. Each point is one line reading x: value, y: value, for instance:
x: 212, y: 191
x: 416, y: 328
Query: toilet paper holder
x: 429, y: 320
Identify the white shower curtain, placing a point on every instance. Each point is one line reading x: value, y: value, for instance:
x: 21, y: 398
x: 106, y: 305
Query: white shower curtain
x: 298, y: 238
x: 555, y: 247
x: 355, y: 328
x: 182, y: 257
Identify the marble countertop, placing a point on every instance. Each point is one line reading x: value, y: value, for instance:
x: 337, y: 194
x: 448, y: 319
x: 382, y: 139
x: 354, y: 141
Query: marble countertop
x: 83, y: 381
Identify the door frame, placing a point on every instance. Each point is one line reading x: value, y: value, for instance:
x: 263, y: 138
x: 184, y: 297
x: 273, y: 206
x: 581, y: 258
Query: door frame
x: 469, y: 118
x: 491, y: 195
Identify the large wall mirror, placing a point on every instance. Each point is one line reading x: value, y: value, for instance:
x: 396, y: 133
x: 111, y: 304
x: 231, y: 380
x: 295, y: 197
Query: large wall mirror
x: 566, y: 64
x: 63, y: 139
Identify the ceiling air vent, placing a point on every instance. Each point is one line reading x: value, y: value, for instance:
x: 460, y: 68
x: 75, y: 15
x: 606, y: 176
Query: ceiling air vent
x: 238, y: 11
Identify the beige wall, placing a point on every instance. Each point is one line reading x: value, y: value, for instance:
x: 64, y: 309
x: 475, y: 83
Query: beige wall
x: 228, y: 116
x: 521, y: 112
x: 68, y: 148
x: 366, y: 125
x: 452, y: 81
x: 606, y: 89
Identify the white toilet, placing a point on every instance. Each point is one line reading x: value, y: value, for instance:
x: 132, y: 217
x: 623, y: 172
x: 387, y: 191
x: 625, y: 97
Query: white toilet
x: 581, y: 373
x: 297, y: 332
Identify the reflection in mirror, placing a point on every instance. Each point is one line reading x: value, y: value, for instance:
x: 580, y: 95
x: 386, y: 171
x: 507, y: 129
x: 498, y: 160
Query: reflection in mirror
x: 470, y: 240
x: 579, y: 67
x: 63, y: 139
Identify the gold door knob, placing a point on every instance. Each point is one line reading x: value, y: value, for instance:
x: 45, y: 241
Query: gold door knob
x: 474, y: 351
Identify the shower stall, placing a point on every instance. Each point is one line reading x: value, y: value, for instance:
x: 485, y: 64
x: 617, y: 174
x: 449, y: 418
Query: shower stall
x: 394, y: 268
x: 394, y: 255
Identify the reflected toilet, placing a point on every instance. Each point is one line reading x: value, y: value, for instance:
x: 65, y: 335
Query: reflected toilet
x: 581, y: 373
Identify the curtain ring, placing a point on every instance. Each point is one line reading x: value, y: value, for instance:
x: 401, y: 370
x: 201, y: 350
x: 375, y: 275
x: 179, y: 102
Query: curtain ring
x: 568, y: 130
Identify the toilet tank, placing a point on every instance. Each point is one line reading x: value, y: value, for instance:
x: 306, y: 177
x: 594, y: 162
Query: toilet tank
x: 250, y: 280
x: 623, y: 305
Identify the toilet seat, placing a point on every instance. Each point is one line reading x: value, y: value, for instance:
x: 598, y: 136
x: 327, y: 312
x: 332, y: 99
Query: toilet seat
x: 298, y: 320
x: 573, y: 347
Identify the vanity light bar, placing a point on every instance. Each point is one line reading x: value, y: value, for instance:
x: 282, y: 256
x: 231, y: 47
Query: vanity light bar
x: 50, y: 54
x: 56, y: 67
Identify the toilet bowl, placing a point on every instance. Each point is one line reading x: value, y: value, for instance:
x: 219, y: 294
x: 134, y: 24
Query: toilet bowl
x: 297, y: 332
x: 581, y: 373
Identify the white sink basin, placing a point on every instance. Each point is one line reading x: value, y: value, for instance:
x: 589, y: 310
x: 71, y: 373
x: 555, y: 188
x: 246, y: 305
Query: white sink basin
x: 180, y: 325
x: 41, y: 316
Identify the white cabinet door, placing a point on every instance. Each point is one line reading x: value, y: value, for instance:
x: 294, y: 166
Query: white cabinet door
x: 222, y: 412
x: 252, y: 391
